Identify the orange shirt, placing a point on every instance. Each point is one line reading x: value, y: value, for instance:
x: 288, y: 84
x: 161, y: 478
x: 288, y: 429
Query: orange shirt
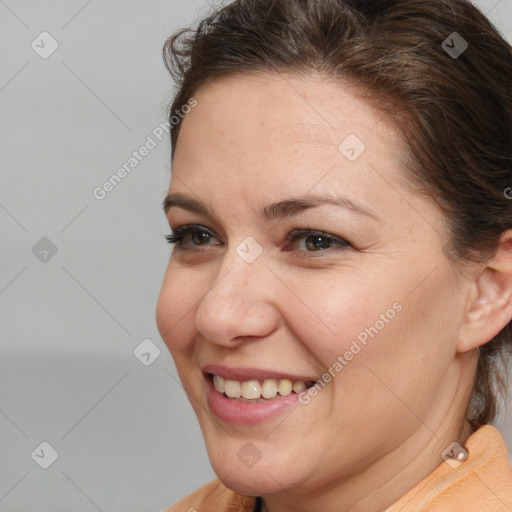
x: 482, y: 483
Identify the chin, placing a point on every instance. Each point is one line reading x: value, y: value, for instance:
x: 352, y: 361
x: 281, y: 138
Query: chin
x: 254, y: 477
x: 251, y: 482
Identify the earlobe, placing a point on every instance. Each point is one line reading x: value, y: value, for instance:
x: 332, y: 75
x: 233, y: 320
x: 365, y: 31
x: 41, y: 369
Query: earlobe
x: 490, y: 305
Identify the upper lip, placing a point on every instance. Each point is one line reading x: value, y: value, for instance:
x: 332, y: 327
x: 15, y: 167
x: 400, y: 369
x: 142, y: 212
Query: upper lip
x: 244, y: 374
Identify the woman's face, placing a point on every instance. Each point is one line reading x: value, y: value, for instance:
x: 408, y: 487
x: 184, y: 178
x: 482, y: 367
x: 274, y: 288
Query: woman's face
x: 363, y: 295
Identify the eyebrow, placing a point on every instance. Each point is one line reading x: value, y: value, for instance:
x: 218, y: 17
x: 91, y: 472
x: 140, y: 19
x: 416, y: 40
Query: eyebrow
x: 286, y: 208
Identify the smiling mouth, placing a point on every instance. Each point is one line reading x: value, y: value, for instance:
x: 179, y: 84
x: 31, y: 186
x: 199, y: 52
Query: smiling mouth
x: 255, y: 391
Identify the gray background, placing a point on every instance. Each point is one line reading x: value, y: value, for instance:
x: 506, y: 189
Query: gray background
x: 126, y: 437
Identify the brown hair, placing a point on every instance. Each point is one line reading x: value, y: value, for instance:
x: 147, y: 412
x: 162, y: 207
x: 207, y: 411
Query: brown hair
x: 454, y: 111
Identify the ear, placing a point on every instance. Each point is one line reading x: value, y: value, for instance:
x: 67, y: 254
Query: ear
x: 490, y: 305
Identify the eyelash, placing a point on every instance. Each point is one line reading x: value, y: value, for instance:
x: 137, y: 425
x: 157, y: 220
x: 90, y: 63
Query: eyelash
x: 178, y: 235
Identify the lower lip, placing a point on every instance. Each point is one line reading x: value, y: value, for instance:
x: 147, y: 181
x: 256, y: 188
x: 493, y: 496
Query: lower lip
x: 247, y: 413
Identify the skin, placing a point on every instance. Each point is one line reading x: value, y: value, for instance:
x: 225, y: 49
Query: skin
x: 380, y: 426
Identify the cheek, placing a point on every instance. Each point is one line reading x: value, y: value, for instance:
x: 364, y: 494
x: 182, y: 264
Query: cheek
x: 403, y: 361
x: 338, y: 316
x: 174, y: 308
x: 357, y: 325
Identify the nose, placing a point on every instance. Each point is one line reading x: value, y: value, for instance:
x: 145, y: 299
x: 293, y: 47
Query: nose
x: 240, y: 305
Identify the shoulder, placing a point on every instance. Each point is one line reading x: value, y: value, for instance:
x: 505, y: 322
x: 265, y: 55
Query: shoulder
x: 213, y: 497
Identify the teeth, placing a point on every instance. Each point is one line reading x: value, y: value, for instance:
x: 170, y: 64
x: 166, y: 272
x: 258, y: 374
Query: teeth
x: 251, y: 389
x: 255, y: 390
x: 299, y: 387
x: 219, y: 383
x: 269, y: 388
x: 285, y: 387
x: 233, y: 389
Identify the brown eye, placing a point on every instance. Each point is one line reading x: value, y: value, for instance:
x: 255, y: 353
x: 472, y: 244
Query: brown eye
x: 201, y: 237
x: 315, y: 241
x: 197, y: 235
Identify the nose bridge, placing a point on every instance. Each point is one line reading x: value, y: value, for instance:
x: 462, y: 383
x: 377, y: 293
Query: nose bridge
x: 243, y: 267
x: 236, y: 305
x: 233, y: 276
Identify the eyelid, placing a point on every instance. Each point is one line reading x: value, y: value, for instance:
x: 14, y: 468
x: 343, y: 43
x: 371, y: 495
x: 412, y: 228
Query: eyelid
x: 179, y: 233
x: 299, y: 232
x: 294, y: 233
x: 182, y: 231
x: 191, y: 227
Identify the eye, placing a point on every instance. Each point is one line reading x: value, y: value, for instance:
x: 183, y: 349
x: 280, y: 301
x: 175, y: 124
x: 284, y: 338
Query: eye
x: 198, y: 235
x: 188, y: 237
x: 316, y: 241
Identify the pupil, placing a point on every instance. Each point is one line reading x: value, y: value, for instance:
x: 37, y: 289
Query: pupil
x: 201, y: 237
x: 317, y: 243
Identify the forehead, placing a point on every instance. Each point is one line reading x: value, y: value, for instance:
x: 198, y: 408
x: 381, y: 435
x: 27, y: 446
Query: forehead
x: 265, y: 134
x: 308, y: 109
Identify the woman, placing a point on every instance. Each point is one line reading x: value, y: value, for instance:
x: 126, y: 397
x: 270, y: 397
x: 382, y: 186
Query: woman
x: 338, y: 300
